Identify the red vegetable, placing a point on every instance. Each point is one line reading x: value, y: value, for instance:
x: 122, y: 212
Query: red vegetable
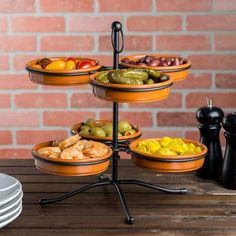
x: 84, y: 64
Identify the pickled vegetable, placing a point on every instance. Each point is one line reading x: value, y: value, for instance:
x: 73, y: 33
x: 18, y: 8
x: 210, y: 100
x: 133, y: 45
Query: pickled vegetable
x: 168, y: 146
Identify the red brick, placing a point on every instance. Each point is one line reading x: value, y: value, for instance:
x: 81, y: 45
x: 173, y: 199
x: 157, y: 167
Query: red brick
x: 4, y: 62
x: 17, y: 6
x: 213, y: 62
x: 3, y: 24
x: 61, y: 43
x: 38, y: 136
x: 183, y: 5
x: 226, y: 81
x: 141, y: 119
x: 65, y: 118
x: 182, y: 42
x: 211, y: 22
x: 106, y: 60
x: 14, y: 81
x: 41, y: 100
x: 20, y: 60
x: 154, y: 23
x: 87, y: 100
x: 224, y: 100
x: 124, y: 5
x: 157, y: 133
x: 132, y: 43
x: 38, y: 24
x: 173, y: 101
x: 19, y: 118
x: 92, y: 23
x: 17, y: 43
x: 5, y: 100
x: 15, y: 153
x: 229, y: 5
x: 194, y: 81
x: 67, y: 88
x: 225, y: 41
x: 184, y: 119
x: 5, y: 137
x: 66, y: 6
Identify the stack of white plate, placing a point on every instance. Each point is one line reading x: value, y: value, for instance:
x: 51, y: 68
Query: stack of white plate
x: 10, y: 199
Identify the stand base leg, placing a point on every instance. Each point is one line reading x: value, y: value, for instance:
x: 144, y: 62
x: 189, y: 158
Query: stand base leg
x: 153, y: 186
x: 73, y: 193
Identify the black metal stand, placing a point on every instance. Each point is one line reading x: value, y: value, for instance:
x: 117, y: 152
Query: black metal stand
x: 113, y: 180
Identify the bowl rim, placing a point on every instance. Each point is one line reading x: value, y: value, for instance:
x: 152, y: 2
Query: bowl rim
x: 127, y: 87
x: 89, y: 161
x: 154, y: 157
x: 29, y: 67
x: 123, y: 138
x: 159, y: 68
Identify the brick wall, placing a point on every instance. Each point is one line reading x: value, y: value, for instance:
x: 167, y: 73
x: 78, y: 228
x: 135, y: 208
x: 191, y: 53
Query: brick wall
x: 202, y: 30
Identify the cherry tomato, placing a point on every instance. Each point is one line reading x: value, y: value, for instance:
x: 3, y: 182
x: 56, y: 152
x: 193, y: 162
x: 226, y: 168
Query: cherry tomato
x: 85, y: 64
x: 93, y: 62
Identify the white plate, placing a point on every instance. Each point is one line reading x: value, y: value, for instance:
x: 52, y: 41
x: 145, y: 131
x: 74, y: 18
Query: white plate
x: 11, y: 204
x: 11, y: 219
x: 10, y: 196
x: 10, y: 213
x: 7, y: 182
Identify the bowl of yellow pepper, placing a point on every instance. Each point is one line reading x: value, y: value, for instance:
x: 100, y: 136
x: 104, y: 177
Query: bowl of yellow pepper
x: 61, y: 71
x: 168, y: 154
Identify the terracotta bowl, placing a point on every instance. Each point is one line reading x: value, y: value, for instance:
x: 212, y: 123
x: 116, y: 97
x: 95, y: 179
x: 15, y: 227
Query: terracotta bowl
x: 57, y: 166
x: 60, y: 77
x: 176, y: 73
x: 165, y: 163
x: 76, y: 128
x: 130, y: 93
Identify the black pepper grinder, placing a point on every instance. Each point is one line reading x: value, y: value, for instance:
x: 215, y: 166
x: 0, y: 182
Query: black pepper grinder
x: 229, y: 164
x: 210, y: 119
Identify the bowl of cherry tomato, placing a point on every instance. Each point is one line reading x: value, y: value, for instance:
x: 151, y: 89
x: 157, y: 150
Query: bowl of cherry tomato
x: 61, y: 71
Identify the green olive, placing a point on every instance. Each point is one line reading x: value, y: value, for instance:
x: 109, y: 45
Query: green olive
x: 107, y: 129
x: 123, y: 126
x: 150, y: 81
x: 130, y: 132
x: 97, y: 131
x: 90, y: 122
x: 84, y: 132
x: 84, y: 127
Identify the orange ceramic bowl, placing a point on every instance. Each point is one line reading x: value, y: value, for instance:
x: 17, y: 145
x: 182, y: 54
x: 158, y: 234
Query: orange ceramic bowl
x: 176, y: 73
x: 165, y: 163
x: 76, y: 128
x: 57, y: 166
x: 60, y: 77
x: 130, y: 93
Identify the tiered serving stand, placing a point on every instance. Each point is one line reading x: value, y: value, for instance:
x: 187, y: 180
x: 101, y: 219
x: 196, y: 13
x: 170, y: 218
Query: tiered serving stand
x: 115, y: 94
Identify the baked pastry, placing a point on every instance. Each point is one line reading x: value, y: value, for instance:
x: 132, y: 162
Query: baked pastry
x: 94, y: 149
x: 69, y: 142
x: 72, y: 153
x: 53, y: 152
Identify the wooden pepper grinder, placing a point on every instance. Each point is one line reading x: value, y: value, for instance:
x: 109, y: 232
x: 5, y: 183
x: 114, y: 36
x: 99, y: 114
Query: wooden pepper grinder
x: 229, y: 164
x: 210, y: 119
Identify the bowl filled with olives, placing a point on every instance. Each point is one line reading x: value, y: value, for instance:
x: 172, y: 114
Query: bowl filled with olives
x: 168, y: 154
x: 102, y: 130
x: 131, y: 85
x: 61, y: 71
x: 175, y: 66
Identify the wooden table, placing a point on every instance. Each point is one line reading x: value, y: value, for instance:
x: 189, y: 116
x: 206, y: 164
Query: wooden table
x: 207, y: 209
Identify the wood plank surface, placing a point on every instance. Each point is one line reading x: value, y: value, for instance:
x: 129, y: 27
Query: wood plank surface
x: 207, y: 209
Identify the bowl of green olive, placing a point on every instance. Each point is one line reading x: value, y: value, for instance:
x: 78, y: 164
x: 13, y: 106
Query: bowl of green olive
x: 102, y: 130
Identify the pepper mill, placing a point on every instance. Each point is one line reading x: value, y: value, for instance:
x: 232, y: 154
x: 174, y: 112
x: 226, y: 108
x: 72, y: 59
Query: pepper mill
x: 229, y: 163
x: 210, y: 119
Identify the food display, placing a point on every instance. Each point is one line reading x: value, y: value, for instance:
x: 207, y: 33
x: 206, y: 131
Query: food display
x: 132, y: 77
x: 74, y: 148
x: 67, y: 63
x: 156, y: 61
x: 168, y: 146
x: 102, y: 130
